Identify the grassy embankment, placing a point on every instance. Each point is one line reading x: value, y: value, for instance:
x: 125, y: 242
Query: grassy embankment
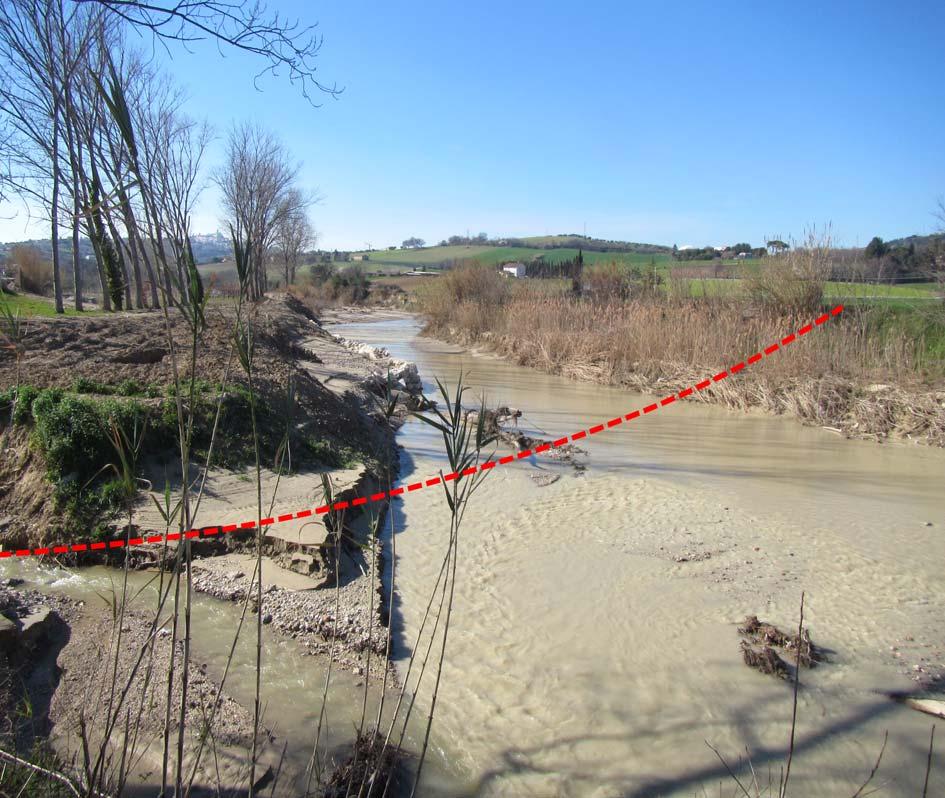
x: 878, y: 370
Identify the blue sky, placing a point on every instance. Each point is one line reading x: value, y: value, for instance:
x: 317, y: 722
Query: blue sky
x: 687, y: 123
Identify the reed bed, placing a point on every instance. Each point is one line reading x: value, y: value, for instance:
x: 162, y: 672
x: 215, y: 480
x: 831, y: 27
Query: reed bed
x: 867, y: 373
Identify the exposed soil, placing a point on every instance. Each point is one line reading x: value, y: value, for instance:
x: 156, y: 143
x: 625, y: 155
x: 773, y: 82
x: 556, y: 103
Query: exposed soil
x: 124, y: 346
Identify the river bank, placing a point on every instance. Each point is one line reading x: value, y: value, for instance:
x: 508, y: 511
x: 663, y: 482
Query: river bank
x: 323, y: 587
x: 866, y: 374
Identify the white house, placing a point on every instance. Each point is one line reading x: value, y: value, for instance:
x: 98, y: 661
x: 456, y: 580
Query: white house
x: 514, y: 269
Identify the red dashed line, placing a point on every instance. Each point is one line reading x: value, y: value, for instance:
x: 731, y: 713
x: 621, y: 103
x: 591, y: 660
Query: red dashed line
x: 414, y: 486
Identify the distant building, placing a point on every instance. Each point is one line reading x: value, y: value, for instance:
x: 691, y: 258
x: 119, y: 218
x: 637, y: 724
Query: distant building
x: 360, y: 257
x: 514, y: 270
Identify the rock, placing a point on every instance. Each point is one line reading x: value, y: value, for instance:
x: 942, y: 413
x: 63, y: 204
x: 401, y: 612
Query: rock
x: 304, y: 564
x: 234, y: 575
x: 267, y: 618
x: 407, y: 375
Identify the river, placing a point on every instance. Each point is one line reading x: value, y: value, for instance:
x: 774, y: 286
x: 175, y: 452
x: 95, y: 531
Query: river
x: 594, y: 648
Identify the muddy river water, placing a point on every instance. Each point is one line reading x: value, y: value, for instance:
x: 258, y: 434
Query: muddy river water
x: 594, y: 647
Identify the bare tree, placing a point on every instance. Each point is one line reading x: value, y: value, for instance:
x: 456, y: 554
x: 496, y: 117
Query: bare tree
x: 294, y: 234
x: 36, y: 67
x: 248, y: 26
x: 258, y: 186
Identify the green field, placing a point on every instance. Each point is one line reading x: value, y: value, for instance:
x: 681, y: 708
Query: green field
x: 436, y: 256
x: 28, y: 305
x: 711, y: 286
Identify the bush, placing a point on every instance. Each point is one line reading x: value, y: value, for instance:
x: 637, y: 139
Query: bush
x: 75, y: 437
x: 608, y: 283
x: 72, y: 434
x: 24, y: 396
x: 131, y: 388
x: 36, y: 274
x: 86, y: 385
x: 350, y: 285
x: 473, y: 290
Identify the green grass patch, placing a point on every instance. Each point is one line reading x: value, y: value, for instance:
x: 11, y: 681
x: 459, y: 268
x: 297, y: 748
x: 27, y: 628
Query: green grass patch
x: 29, y: 305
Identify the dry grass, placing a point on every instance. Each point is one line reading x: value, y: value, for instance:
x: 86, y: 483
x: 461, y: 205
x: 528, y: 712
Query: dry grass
x: 862, y: 374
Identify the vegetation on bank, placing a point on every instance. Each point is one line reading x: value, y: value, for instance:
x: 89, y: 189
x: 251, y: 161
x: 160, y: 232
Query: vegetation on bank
x: 79, y: 434
x: 878, y: 370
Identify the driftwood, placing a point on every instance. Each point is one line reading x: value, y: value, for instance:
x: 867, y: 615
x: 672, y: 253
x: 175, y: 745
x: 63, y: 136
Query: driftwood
x: 761, y: 640
x: 366, y: 758
x: 765, y: 660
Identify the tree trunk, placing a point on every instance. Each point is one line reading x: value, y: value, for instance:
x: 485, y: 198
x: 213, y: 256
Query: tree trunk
x: 54, y: 210
x: 76, y: 259
x: 75, y: 158
x: 131, y: 228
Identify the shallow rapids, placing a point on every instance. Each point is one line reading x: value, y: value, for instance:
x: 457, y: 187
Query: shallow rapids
x: 594, y: 649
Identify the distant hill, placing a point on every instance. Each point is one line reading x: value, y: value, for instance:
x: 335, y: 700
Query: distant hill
x: 207, y: 247
x: 445, y: 257
x: 576, y: 241
x: 501, y: 250
x: 920, y: 242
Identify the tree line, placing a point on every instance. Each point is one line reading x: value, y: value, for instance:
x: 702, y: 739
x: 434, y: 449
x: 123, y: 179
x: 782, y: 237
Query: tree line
x: 94, y: 141
x: 572, y: 269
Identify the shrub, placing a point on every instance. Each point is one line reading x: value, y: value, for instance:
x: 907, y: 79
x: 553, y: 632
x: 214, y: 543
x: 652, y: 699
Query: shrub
x: 130, y: 387
x: 87, y: 385
x: 72, y: 434
x: 24, y: 396
x: 36, y: 275
x: 608, y: 283
x: 350, y: 285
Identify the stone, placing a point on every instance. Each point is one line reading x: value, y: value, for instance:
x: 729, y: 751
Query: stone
x: 302, y: 563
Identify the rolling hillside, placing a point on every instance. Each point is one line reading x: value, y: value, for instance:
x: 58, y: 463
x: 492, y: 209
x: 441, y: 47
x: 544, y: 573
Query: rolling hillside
x: 436, y: 257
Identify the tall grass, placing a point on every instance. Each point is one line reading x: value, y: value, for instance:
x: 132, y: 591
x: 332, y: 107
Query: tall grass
x: 875, y: 370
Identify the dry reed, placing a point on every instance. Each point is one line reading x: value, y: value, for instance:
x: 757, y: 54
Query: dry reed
x: 860, y: 375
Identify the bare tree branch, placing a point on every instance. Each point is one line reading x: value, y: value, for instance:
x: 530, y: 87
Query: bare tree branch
x: 251, y: 27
